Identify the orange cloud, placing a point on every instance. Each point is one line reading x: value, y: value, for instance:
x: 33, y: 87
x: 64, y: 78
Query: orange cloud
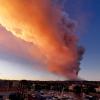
x: 48, y: 27
x: 13, y: 45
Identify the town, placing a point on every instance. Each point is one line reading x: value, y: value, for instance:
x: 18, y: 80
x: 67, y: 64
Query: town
x: 49, y: 90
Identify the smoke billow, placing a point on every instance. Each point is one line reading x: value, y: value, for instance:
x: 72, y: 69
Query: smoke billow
x: 46, y: 25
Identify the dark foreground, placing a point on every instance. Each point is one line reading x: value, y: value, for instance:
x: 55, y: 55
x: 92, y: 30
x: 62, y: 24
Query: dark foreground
x: 49, y: 90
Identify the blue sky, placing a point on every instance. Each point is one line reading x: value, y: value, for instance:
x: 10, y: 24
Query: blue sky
x: 87, y: 14
x: 89, y: 34
x: 91, y: 41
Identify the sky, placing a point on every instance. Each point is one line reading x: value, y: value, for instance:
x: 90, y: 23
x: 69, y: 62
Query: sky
x: 17, y: 63
x: 89, y: 13
x: 91, y: 40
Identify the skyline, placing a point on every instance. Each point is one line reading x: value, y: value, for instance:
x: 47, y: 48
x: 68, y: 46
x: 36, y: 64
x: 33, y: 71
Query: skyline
x: 17, y: 61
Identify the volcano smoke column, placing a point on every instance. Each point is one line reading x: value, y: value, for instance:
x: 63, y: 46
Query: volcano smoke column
x: 49, y: 28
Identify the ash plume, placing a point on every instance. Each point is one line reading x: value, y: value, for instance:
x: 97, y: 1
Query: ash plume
x: 47, y: 26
